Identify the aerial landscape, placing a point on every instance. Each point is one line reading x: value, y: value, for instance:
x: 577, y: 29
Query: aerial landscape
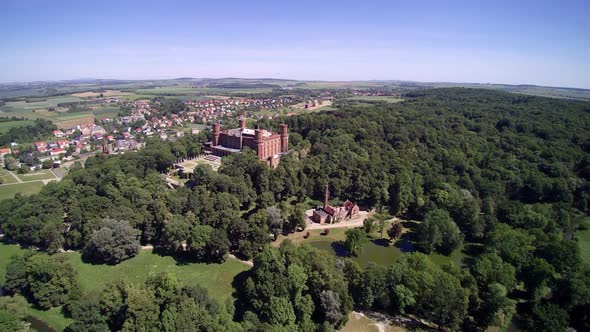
x: 376, y: 166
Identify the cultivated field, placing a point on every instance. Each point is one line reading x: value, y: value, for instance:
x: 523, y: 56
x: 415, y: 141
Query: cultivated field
x: 39, y: 109
x: 106, y: 93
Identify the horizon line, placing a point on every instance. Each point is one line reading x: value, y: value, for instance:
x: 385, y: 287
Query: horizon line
x: 286, y: 79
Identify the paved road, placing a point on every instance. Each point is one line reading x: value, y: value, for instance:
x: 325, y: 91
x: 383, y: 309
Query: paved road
x: 352, y: 223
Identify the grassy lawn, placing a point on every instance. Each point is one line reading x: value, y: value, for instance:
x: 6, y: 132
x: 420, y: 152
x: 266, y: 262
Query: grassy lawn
x: 5, y: 126
x: 7, y: 251
x: 6, y: 177
x: 216, y: 278
x: 9, y: 190
x: 37, y: 176
x: 361, y: 323
x: 584, y: 241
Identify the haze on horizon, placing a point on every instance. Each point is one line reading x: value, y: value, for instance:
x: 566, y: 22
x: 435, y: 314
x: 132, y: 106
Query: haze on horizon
x: 524, y: 42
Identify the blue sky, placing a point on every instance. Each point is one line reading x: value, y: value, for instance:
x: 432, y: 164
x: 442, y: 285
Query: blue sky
x: 515, y: 42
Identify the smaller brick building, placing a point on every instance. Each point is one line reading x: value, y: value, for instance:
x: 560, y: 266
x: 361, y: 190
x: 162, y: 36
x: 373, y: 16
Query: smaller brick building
x: 331, y: 214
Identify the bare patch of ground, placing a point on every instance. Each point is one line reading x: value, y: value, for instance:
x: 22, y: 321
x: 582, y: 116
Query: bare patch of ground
x: 106, y: 93
x: 317, y: 105
x: 74, y: 122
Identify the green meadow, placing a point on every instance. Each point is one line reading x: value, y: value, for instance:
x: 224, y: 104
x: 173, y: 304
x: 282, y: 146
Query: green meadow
x: 388, y: 99
x: 6, y: 126
x: 216, y: 278
x: 27, y: 189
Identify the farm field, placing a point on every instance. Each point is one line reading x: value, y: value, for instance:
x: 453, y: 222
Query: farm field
x: 39, y: 110
x: 216, y: 278
x: 27, y: 189
x: 106, y: 93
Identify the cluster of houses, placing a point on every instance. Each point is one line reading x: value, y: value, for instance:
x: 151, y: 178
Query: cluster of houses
x: 212, y: 110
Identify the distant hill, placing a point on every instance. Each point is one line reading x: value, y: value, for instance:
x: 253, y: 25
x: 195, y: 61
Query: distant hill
x: 55, y: 88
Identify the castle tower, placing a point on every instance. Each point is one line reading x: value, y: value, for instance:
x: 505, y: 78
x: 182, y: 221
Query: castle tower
x: 106, y: 148
x: 326, y: 196
x: 242, y: 122
x: 216, y: 131
x: 284, y: 137
x: 259, y: 143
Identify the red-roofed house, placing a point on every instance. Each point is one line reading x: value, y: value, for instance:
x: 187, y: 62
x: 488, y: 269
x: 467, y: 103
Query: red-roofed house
x: 63, y: 144
x: 4, y: 151
x: 58, y: 133
x: 41, y: 146
x: 56, y: 152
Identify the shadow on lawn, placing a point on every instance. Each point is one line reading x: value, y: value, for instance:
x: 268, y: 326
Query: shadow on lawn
x: 339, y: 249
x: 381, y: 242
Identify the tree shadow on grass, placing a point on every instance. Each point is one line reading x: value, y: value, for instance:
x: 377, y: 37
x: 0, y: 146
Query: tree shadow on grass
x: 339, y: 249
x: 411, y: 225
x: 405, y: 245
x: 241, y: 297
x: 381, y: 242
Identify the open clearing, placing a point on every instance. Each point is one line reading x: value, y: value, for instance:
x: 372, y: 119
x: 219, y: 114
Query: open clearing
x: 323, y: 103
x: 28, y: 188
x: 6, y: 177
x: 190, y: 165
x: 389, y: 99
x: 216, y: 278
x: 584, y: 241
x: 37, y: 176
x: 6, y: 126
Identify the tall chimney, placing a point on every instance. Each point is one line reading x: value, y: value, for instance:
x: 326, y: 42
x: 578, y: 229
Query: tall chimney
x: 326, y: 196
x: 242, y: 122
x: 216, y: 131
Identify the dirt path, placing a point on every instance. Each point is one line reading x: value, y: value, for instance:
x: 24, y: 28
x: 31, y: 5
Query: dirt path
x: 16, y: 177
x: 250, y: 263
x: 352, y: 223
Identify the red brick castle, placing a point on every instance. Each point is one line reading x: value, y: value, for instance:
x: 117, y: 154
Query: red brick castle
x: 269, y: 146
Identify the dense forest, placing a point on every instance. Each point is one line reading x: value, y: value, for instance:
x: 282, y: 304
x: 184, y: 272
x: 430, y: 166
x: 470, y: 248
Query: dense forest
x: 507, y: 173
